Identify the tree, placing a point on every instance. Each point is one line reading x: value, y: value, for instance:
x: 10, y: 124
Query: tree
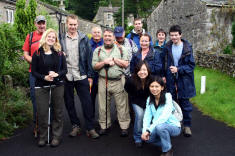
x: 24, y: 17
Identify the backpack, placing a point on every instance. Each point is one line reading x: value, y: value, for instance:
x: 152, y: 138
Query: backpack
x: 177, y: 112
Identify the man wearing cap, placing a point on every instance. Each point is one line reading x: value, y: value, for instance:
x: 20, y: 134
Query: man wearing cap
x: 31, y: 44
x: 109, y: 61
x: 129, y: 44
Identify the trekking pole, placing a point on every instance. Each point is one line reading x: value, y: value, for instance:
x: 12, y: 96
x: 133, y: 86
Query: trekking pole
x: 106, y: 67
x: 49, y: 118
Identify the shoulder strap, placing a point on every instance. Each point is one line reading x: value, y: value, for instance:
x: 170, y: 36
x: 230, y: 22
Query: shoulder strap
x: 132, y: 35
x: 130, y: 42
x: 99, y: 51
x: 60, y: 61
x: 30, y: 42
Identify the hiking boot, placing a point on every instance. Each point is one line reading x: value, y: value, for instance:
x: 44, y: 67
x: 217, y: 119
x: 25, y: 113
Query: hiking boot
x: 187, y: 132
x: 92, y: 134
x: 41, y: 143
x: 76, y: 131
x: 124, y: 133
x: 103, y: 132
x: 55, y: 143
x: 169, y: 153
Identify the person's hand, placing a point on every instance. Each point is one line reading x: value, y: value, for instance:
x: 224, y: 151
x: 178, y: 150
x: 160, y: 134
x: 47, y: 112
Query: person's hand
x: 173, y: 69
x: 48, y: 78
x: 108, y: 60
x: 164, y: 79
x: 145, y: 136
x: 53, y: 74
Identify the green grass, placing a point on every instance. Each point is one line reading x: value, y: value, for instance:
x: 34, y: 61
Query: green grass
x: 219, y: 99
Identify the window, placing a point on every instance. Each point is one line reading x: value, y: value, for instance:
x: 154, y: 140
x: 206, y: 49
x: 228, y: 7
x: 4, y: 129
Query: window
x: 109, y: 17
x: 10, y: 16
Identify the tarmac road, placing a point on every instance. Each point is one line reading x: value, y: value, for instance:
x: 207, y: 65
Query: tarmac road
x: 210, y: 138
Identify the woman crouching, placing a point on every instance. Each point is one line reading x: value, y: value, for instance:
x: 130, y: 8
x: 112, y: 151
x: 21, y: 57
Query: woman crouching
x: 49, y: 68
x: 159, y: 124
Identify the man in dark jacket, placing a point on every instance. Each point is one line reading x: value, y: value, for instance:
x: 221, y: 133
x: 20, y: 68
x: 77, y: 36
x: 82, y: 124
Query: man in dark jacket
x: 95, y: 41
x: 179, y: 74
x: 137, y: 32
x: 78, y: 54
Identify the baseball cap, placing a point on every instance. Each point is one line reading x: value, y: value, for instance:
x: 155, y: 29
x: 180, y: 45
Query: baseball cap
x: 40, y: 18
x: 118, y: 31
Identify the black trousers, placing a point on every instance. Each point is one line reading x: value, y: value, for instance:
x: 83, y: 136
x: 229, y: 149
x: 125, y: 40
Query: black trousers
x: 82, y: 89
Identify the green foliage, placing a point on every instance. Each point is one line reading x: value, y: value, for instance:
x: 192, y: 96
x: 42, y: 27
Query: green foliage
x: 129, y: 29
x: 9, y: 43
x: 228, y: 50
x: 24, y: 17
x: 218, y: 100
x: 50, y: 23
x: 233, y: 33
x: 84, y: 9
x: 15, y: 111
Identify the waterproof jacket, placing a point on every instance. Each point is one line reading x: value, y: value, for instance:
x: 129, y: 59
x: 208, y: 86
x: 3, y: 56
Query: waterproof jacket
x: 184, y: 78
x: 136, y: 38
x: 94, y: 45
x: 85, y: 54
x: 153, y: 59
x: 40, y: 69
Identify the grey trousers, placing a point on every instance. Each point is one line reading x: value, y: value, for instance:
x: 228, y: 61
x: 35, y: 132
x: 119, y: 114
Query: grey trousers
x: 57, y: 104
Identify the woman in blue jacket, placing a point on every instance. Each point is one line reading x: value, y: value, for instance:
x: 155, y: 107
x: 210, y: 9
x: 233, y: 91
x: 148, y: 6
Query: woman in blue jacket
x: 159, y: 124
x: 148, y: 54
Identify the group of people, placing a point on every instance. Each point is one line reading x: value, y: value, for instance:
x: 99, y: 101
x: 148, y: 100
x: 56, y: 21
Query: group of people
x: 133, y: 70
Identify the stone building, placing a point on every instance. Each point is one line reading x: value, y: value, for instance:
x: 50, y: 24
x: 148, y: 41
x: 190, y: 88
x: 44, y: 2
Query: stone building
x: 104, y: 16
x: 7, y: 10
x: 205, y: 23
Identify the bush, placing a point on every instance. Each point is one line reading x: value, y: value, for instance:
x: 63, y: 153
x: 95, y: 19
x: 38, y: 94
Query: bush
x: 15, y: 111
x: 228, y: 50
x: 9, y: 43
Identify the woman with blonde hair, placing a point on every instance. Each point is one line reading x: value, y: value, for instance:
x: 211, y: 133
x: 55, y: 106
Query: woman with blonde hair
x: 49, y: 68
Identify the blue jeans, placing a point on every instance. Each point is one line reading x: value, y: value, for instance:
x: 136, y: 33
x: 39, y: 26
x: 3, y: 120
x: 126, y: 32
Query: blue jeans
x: 138, y: 125
x: 187, y: 108
x: 161, y: 136
x: 32, y: 80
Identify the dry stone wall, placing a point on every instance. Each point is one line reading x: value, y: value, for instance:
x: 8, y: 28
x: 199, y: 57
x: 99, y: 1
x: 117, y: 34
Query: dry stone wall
x: 221, y: 62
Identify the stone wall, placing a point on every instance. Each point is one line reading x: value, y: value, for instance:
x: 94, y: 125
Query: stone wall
x: 221, y: 62
x: 205, y: 25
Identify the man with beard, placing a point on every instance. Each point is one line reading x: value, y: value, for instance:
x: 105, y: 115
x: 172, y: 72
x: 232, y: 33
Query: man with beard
x: 137, y: 32
x: 109, y: 61
x: 78, y: 54
x: 131, y: 47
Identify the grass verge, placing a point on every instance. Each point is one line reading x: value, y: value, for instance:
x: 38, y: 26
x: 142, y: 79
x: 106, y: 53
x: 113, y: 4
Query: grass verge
x: 219, y: 99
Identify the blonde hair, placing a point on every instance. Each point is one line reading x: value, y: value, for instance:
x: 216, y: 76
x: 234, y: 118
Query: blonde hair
x: 56, y: 46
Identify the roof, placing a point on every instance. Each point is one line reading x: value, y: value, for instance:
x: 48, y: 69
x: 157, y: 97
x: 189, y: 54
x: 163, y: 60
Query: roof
x: 218, y: 2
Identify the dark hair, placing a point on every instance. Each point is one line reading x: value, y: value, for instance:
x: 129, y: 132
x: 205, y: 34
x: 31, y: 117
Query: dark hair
x: 147, y: 35
x: 162, y: 99
x: 160, y: 31
x: 109, y: 30
x: 136, y: 78
x: 175, y: 28
x: 137, y: 19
